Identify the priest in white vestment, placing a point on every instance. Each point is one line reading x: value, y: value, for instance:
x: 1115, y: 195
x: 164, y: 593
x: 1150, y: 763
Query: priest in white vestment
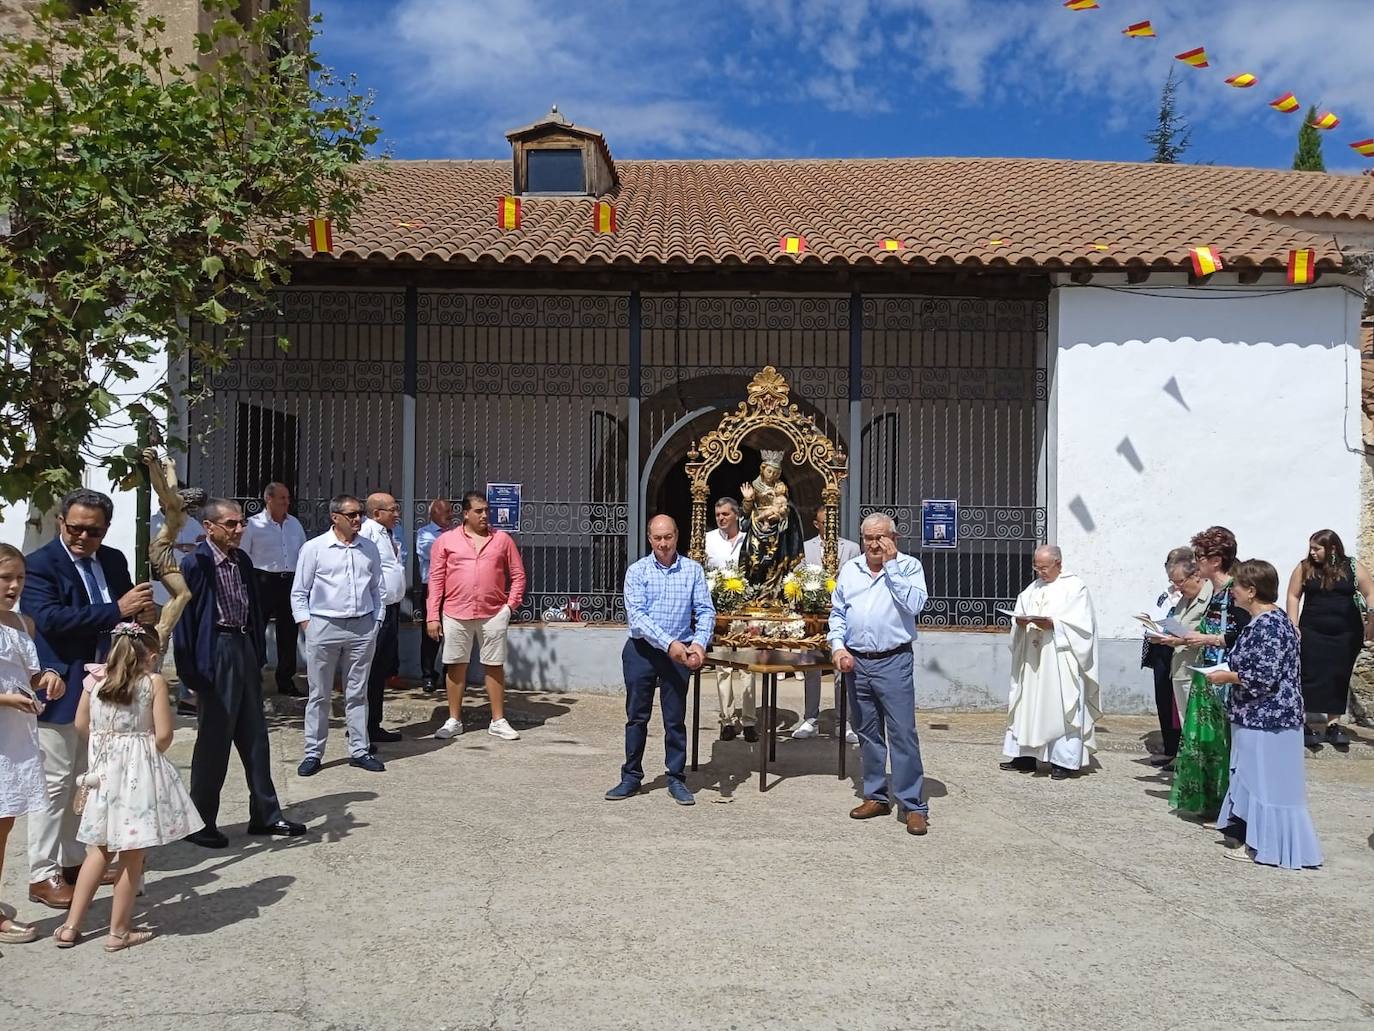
x: 1054, y: 705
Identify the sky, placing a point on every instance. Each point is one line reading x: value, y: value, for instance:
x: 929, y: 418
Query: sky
x: 856, y: 78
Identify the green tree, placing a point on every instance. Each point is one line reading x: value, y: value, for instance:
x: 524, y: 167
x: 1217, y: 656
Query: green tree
x: 1309, y: 155
x: 1172, y: 134
x: 144, y: 198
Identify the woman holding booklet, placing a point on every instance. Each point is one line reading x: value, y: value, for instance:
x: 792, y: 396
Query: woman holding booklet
x: 1205, y: 743
x: 1165, y: 651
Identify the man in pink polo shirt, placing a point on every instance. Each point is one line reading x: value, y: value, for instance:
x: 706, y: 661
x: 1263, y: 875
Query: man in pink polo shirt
x: 476, y: 581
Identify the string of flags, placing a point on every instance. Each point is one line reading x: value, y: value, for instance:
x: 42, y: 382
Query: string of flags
x: 1287, y: 103
x: 322, y: 235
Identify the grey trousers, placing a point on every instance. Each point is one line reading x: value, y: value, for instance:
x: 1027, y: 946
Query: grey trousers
x: 345, y: 645
x: 52, y: 831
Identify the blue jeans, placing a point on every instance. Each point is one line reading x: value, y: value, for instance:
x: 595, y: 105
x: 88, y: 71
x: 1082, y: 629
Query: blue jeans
x: 647, y: 668
x: 882, y: 702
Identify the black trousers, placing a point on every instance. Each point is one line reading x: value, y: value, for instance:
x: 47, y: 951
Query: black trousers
x: 231, y: 715
x: 275, y: 591
x: 1158, y: 659
x: 385, y: 660
x: 430, y: 666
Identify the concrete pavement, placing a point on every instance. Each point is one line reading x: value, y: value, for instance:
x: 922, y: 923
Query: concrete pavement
x: 486, y: 884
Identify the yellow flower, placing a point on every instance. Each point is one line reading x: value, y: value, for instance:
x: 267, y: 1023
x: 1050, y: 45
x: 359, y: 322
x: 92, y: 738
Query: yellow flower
x: 792, y: 590
x: 734, y: 585
x: 830, y: 584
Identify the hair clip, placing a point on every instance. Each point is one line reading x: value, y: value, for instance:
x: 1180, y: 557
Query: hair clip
x: 127, y: 629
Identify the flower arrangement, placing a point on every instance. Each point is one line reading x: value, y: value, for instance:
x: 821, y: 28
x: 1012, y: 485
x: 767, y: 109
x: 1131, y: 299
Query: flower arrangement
x: 807, y: 589
x: 729, y: 588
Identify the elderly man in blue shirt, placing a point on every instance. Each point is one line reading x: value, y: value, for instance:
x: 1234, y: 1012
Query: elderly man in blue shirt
x: 872, y: 626
x: 671, y: 618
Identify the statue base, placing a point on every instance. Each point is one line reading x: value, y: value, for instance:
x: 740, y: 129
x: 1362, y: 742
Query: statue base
x: 769, y: 626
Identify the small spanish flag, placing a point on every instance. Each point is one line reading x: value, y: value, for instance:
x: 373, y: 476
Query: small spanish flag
x: 1080, y: 5
x: 1195, y: 58
x: 1326, y: 120
x: 1140, y: 30
x: 1365, y: 147
x: 322, y: 235
x: 792, y: 244
x: 603, y: 217
x: 1286, y: 103
x: 1242, y: 81
x: 1206, y: 260
x: 1301, y: 266
x: 889, y: 243
x: 508, y: 212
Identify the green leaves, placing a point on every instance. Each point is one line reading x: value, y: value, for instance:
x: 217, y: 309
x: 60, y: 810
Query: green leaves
x: 142, y: 192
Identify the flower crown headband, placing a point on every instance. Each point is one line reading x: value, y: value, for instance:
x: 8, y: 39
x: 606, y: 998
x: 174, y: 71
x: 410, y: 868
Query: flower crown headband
x: 128, y: 629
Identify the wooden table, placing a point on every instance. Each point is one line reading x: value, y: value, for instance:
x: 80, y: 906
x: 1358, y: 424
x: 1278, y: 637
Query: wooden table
x: 767, y: 663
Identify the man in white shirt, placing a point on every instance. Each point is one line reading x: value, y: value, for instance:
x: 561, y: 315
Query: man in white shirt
x: 382, y: 514
x: 812, y: 553
x: 273, y: 541
x: 336, y: 599
x: 734, y: 687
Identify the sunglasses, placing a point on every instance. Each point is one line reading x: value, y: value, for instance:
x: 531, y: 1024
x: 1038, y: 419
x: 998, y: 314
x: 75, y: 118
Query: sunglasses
x: 231, y: 524
x: 350, y: 515
x: 86, y: 531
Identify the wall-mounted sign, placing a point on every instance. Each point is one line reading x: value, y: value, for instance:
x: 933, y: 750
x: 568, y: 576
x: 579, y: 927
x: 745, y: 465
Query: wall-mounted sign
x: 939, y: 524
x: 503, y: 506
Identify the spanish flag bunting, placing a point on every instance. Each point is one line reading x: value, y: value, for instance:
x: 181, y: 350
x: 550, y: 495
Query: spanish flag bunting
x: 1286, y: 103
x: 1139, y: 30
x: 792, y: 244
x: 508, y: 212
x: 1080, y: 5
x: 1365, y: 147
x: 1301, y: 266
x: 1242, y: 81
x: 1206, y: 260
x: 322, y: 235
x: 889, y: 243
x: 1326, y: 120
x: 603, y: 217
x: 1195, y: 58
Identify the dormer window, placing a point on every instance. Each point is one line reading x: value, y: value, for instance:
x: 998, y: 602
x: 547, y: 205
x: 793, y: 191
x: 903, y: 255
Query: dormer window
x: 555, y: 156
x: 555, y: 170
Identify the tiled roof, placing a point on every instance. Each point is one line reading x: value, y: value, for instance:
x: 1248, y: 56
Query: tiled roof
x: 945, y: 211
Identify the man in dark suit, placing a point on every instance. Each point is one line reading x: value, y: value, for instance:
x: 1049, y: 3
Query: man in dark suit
x: 220, y: 649
x: 76, y: 591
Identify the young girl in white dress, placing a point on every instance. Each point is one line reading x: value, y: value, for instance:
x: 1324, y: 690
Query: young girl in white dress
x: 22, y: 789
x: 136, y: 800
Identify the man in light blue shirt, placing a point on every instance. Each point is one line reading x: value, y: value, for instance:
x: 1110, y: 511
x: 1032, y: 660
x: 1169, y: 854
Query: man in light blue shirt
x: 440, y: 519
x: 671, y: 621
x: 336, y: 598
x: 872, y: 627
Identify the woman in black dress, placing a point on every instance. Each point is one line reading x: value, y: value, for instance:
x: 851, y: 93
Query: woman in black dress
x: 1327, y: 588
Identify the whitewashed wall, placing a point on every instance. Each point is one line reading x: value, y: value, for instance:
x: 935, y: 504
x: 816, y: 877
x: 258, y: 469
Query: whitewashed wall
x: 1178, y: 408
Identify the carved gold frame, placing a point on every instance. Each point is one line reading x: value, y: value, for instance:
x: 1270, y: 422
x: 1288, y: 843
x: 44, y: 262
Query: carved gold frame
x: 768, y: 407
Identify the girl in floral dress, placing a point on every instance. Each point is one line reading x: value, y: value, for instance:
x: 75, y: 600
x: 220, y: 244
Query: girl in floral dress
x: 22, y: 789
x: 1204, y: 750
x: 136, y: 800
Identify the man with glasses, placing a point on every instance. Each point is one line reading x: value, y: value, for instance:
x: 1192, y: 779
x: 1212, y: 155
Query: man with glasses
x: 873, y: 612
x: 336, y: 600
x: 220, y: 645
x: 76, y: 591
x: 379, y: 526
x: 273, y: 540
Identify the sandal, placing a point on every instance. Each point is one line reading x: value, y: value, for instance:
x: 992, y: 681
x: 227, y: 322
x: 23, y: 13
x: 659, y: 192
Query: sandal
x: 17, y: 934
x: 128, y: 940
x: 63, y: 943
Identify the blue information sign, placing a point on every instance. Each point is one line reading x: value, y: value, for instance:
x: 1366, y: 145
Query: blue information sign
x: 939, y: 524
x: 503, y: 506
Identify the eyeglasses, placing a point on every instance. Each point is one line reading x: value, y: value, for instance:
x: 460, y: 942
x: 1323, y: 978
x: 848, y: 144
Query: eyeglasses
x: 86, y: 531
x: 231, y: 524
x: 355, y: 514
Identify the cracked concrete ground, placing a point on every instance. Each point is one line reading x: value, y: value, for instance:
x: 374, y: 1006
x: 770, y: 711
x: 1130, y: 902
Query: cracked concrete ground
x: 486, y: 884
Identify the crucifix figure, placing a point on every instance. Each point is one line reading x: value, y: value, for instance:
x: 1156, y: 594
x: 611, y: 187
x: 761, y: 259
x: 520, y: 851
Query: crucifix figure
x: 163, y: 558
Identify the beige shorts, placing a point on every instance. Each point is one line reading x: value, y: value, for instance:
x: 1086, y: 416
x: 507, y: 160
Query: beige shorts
x: 460, y: 633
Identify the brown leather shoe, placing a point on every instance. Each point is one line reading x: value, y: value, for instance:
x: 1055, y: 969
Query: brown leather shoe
x: 869, y: 809
x: 916, y: 823
x: 55, y: 893
x: 71, y: 873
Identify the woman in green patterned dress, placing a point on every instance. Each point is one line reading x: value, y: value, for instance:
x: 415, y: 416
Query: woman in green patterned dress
x: 1204, y: 751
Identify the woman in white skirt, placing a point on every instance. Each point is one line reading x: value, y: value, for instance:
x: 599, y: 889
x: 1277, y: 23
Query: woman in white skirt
x: 1265, y: 812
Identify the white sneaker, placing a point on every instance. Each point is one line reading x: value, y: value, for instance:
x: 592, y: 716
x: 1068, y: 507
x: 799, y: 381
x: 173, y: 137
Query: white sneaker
x: 851, y: 737
x: 503, y: 730
x: 451, y: 728
x: 806, y: 728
